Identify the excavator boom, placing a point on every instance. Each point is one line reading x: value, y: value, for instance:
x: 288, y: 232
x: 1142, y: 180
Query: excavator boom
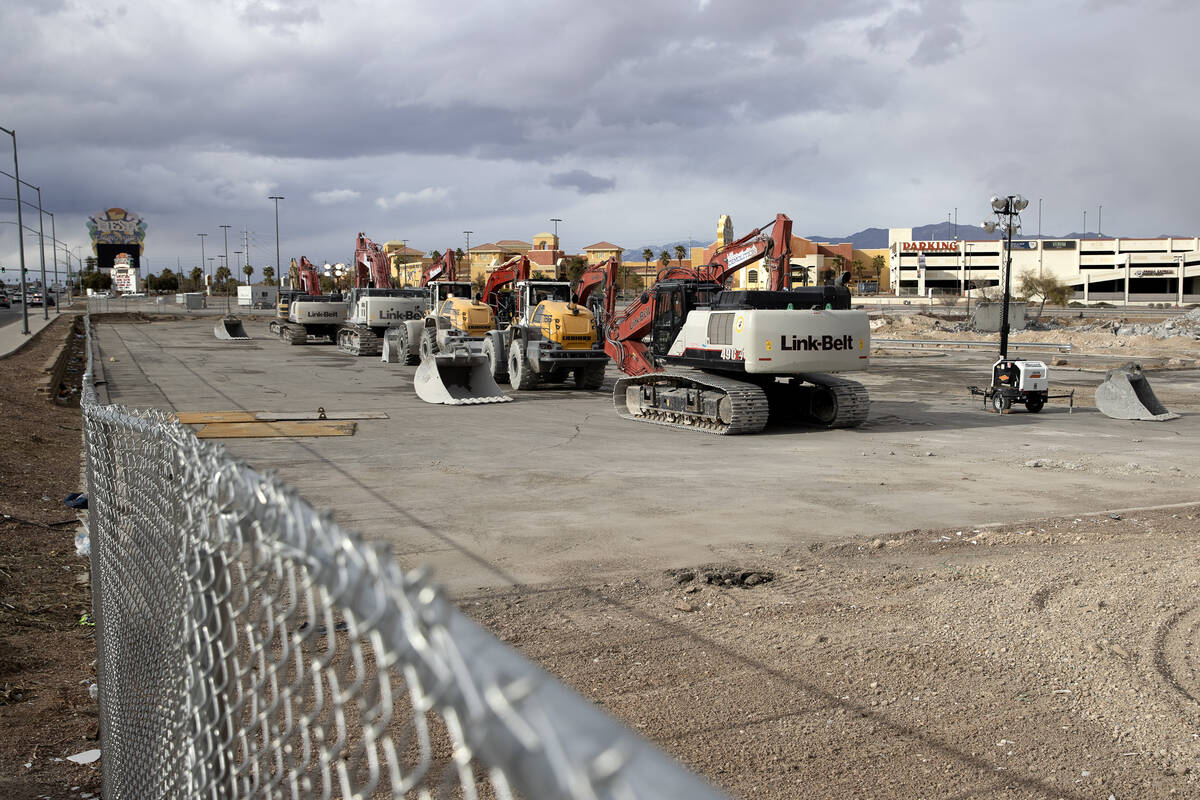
x: 444, y: 269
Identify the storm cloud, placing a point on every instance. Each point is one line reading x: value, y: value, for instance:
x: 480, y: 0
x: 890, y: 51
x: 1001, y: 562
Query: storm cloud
x: 582, y: 181
x: 631, y: 124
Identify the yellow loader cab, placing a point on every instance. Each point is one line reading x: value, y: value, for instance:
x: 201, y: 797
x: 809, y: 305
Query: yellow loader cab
x: 466, y: 317
x: 567, y: 325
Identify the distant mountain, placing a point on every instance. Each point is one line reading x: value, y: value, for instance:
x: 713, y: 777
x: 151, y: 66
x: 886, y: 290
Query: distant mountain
x: 868, y: 238
x: 635, y: 253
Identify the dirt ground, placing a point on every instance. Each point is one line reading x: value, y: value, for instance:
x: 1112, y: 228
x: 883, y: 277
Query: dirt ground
x: 46, y: 655
x: 1053, y: 659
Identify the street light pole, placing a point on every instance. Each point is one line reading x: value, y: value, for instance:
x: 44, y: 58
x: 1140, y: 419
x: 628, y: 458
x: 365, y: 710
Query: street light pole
x: 226, y: 232
x: 276, y: 198
x: 1008, y: 211
x: 42, y: 249
x: 202, y: 235
x: 1100, y: 222
x: 54, y: 252
x: 468, y: 234
x: 20, y: 233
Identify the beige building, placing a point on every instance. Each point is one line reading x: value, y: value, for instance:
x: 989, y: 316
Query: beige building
x: 543, y: 252
x: 1100, y: 270
x: 602, y: 251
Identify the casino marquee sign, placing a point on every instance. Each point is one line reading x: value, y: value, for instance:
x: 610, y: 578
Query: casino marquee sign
x: 117, y: 226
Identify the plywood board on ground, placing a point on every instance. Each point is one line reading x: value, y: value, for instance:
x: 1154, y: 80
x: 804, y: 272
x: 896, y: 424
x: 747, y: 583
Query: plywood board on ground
x: 270, y: 430
x: 271, y: 416
x: 203, y: 417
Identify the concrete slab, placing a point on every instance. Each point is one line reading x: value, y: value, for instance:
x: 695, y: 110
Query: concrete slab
x: 555, y: 485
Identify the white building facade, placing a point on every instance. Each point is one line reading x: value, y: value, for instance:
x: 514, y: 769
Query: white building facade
x: 1100, y: 270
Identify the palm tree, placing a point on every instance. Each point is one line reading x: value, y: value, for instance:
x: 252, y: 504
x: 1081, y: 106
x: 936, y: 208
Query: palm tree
x: 679, y: 253
x: 197, y: 277
x: 664, y: 258
x: 269, y: 276
x: 221, y: 278
x: 249, y: 270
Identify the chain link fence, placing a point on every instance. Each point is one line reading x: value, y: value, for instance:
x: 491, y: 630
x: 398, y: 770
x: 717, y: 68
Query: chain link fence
x: 250, y: 647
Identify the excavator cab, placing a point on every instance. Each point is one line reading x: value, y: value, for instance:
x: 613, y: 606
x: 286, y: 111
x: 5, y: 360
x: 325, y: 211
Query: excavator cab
x: 673, y: 301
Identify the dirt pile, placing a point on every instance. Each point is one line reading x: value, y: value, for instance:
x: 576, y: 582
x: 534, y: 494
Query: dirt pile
x: 1176, y: 337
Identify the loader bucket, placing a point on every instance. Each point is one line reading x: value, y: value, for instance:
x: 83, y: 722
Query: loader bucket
x: 230, y: 329
x: 1126, y: 394
x: 456, y: 380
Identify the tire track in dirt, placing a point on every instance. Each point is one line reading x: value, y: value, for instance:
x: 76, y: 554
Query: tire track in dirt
x: 1175, y: 644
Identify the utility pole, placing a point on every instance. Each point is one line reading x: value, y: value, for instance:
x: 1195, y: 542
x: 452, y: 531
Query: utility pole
x: 277, y: 198
x: 225, y: 230
x: 202, y: 235
x: 42, y: 248
x: 20, y: 233
x: 54, y: 250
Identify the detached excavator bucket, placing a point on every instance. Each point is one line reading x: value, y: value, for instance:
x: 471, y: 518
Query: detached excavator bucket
x: 1126, y: 394
x: 230, y: 329
x: 456, y: 379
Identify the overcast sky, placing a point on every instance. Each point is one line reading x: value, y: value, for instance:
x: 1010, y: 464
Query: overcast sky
x: 635, y: 122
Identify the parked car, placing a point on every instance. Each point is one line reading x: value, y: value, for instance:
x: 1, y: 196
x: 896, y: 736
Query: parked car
x: 4, y: 301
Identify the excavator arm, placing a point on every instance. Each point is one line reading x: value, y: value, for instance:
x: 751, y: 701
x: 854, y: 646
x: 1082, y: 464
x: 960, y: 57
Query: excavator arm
x: 310, y: 281
x: 444, y: 269
x: 595, y: 275
x: 371, y: 269
x: 775, y: 250
x: 515, y: 269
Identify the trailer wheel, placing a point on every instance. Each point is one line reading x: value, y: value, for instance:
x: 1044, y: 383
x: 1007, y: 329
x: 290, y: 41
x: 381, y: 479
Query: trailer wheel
x: 1000, y: 403
x: 1035, y: 404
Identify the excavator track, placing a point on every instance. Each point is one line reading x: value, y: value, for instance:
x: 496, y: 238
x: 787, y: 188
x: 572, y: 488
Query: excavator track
x: 292, y: 334
x: 359, y: 340
x: 851, y: 402
x: 747, y: 411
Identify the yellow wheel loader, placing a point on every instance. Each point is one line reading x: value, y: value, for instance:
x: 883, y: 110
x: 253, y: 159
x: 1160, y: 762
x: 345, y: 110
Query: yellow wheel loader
x: 550, y: 340
x: 454, y: 370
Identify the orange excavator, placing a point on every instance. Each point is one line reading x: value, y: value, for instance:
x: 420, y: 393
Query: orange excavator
x: 698, y: 356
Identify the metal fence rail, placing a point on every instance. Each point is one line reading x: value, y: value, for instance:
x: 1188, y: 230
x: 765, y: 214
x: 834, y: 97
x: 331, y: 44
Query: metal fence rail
x: 1060, y: 346
x: 250, y: 647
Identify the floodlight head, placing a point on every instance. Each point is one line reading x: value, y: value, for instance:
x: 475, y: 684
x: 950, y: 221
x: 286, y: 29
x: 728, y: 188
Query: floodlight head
x: 989, y: 226
x: 999, y: 204
x: 1019, y: 203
